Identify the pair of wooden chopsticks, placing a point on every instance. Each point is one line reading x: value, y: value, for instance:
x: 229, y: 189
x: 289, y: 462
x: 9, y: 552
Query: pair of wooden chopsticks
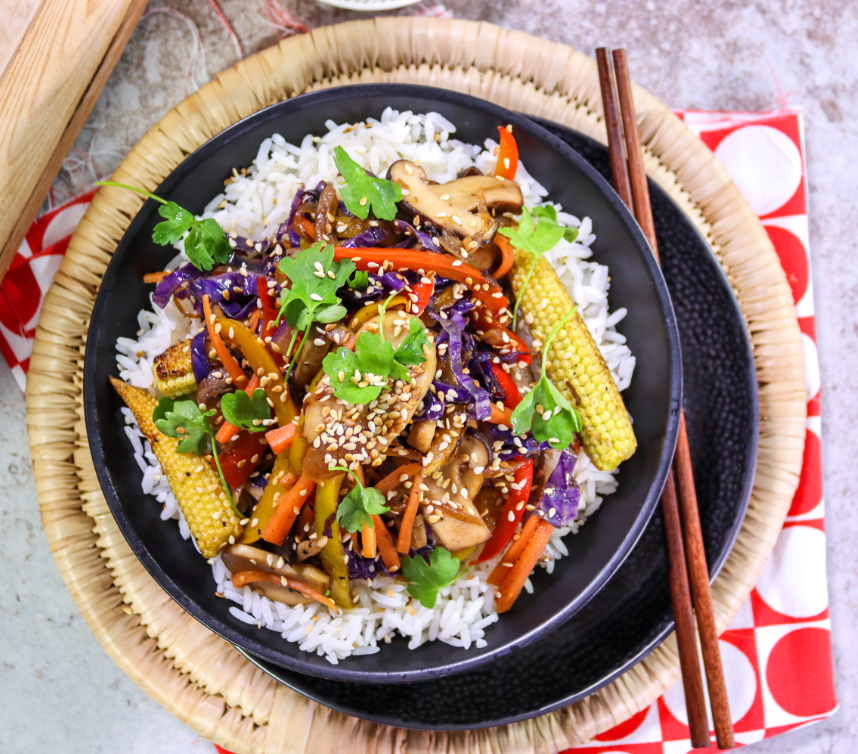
x: 684, y: 537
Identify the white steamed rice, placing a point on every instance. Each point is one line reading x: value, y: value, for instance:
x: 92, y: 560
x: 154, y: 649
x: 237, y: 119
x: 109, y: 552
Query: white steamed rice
x: 254, y: 204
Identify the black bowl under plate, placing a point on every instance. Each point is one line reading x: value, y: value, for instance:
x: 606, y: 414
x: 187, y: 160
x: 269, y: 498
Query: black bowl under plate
x: 653, y: 398
x: 631, y: 615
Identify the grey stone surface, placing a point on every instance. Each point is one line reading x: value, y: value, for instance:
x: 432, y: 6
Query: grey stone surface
x: 59, y: 691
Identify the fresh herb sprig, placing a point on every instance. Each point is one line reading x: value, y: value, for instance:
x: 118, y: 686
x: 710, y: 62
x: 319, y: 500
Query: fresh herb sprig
x: 184, y: 420
x: 250, y: 412
x: 206, y: 243
x: 315, y: 278
x: 361, y: 191
x: 537, y: 233
x: 544, y: 409
x: 427, y: 579
x: 359, y: 376
x: 356, y: 509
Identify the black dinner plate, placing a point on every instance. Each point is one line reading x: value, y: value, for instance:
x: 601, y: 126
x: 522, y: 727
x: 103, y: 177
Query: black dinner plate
x: 631, y: 615
x: 653, y: 398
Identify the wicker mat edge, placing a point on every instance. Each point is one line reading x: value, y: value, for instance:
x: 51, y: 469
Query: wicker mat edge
x: 195, y: 674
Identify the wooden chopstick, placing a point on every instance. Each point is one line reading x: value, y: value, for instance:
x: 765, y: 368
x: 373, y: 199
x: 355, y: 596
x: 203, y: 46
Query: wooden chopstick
x: 67, y: 139
x: 616, y: 143
x: 698, y: 569
x: 687, y: 557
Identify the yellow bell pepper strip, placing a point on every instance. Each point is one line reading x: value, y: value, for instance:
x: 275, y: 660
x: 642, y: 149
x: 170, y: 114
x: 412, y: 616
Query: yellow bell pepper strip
x: 298, y: 449
x: 488, y: 292
x: 365, y: 314
x: 232, y: 367
x: 249, y: 577
x: 507, y: 155
x: 260, y: 359
x: 287, y: 510
x: 279, y: 483
x: 333, y: 556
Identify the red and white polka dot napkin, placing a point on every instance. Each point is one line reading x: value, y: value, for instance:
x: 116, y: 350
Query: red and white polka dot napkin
x: 777, y: 651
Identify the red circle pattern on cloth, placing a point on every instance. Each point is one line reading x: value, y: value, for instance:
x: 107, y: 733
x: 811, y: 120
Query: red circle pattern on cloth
x: 777, y: 651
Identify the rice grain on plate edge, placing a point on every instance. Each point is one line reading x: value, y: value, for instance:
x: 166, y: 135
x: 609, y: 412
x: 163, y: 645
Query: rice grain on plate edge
x: 254, y: 204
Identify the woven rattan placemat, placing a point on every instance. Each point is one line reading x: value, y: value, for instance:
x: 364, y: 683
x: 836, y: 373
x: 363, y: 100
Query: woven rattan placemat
x: 196, y: 675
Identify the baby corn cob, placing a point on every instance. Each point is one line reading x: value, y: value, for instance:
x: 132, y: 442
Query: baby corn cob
x: 575, y: 364
x: 173, y: 371
x: 196, y: 485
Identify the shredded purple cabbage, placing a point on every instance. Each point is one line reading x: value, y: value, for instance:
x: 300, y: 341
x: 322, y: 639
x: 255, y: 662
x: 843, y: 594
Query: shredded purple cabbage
x: 459, y: 341
x: 432, y: 409
x: 421, y: 235
x: 372, y: 236
x: 380, y: 287
x: 513, y: 445
x: 172, y: 282
x: 364, y: 568
x: 199, y: 357
x: 242, y: 296
x: 480, y: 366
x: 559, y: 503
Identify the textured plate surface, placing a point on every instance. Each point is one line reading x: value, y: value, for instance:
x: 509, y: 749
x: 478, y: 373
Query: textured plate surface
x: 631, y: 615
x: 653, y: 398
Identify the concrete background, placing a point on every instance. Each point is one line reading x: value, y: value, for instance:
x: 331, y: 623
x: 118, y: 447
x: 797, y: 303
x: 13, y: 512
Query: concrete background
x: 58, y: 689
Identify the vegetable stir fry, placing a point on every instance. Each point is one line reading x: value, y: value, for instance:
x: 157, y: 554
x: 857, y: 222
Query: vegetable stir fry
x: 395, y: 383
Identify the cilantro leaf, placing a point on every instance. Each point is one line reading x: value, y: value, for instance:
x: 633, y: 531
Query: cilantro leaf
x: 361, y: 191
x: 243, y: 411
x: 178, y: 222
x: 184, y: 420
x: 427, y: 579
x: 348, y: 370
x: 536, y: 233
x: 205, y: 245
x: 358, y: 507
x: 545, y: 410
x: 548, y: 214
x: 410, y: 352
x: 358, y: 280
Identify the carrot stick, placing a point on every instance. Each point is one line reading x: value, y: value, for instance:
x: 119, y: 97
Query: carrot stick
x: 287, y: 511
x: 501, y: 571
x: 507, y: 259
x: 501, y: 415
x: 280, y: 439
x: 369, y: 542
x: 154, y: 277
x: 513, y: 583
x: 254, y: 319
x: 305, y: 225
x: 394, y: 478
x: 386, y: 545
x: 227, y: 431
x: 227, y: 359
x: 250, y: 577
x: 403, y: 545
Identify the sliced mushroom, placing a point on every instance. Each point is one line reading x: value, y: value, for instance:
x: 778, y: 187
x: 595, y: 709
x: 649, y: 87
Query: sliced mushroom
x: 312, y: 356
x: 459, y: 206
x: 309, y: 547
x: 454, y: 518
x: 211, y: 388
x: 326, y: 209
x: 239, y: 558
x: 418, y: 533
x: 343, y: 434
x: 421, y: 435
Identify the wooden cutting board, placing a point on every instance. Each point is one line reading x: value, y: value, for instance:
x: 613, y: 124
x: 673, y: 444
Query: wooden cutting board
x: 55, y: 57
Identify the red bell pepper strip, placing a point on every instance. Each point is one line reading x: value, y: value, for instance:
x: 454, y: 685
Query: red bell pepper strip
x: 280, y: 439
x: 501, y: 337
x: 371, y: 260
x: 269, y: 311
x: 511, y: 514
x: 239, y: 460
x: 424, y: 292
x: 507, y: 155
x: 510, y: 389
